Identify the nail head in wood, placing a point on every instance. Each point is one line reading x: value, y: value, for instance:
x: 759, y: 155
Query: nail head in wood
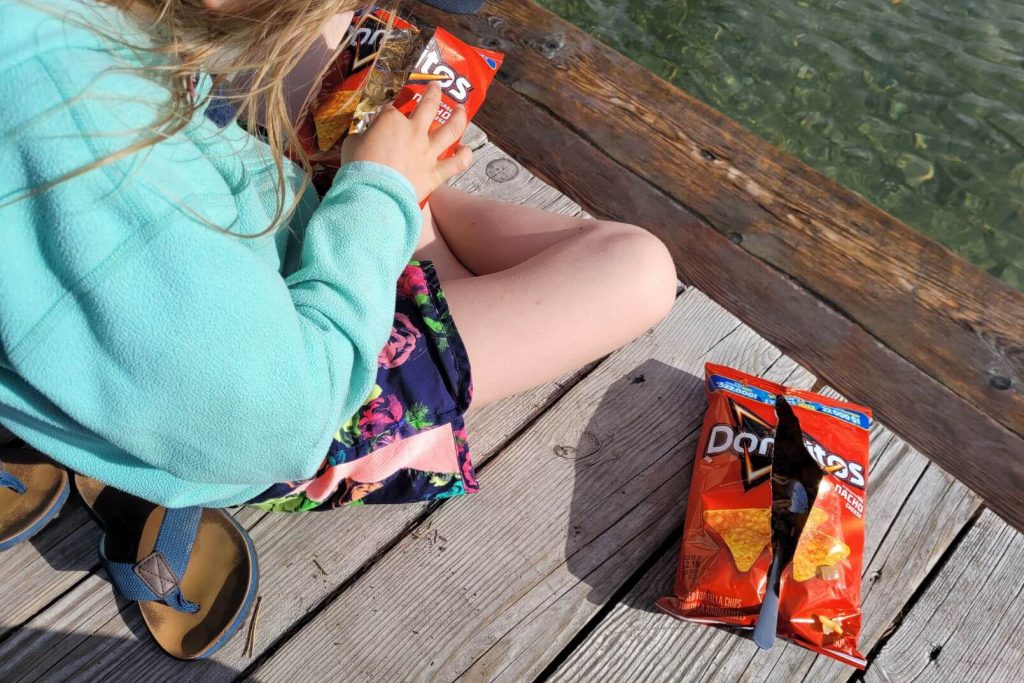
x: 1001, y: 383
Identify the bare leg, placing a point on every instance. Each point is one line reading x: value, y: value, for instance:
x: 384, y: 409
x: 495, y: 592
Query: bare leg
x: 432, y: 247
x: 489, y: 236
x: 535, y: 294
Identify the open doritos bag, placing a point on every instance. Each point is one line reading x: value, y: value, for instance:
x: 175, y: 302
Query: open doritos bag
x: 727, y: 540
x: 371, y: 72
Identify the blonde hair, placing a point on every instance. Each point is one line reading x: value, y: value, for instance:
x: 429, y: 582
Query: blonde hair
x: 254, y: 48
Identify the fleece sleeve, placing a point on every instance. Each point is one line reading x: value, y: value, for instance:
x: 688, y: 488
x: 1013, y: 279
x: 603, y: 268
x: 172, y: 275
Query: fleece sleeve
x: 192, y: 353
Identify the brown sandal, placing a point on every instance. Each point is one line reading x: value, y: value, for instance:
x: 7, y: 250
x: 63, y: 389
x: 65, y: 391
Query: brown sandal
x: 193, y: 571
x: 32, y: 491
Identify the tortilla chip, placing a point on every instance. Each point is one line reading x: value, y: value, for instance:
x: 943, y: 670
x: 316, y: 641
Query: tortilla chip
x: 815, y: 519
x: 827, y: 573
x: 817, y: 549
x: 748, y: 532
x: 745, y: 532
x: 333, y: 117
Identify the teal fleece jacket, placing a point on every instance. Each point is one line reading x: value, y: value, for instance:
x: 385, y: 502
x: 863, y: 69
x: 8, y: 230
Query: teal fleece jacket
x: 140, y: 345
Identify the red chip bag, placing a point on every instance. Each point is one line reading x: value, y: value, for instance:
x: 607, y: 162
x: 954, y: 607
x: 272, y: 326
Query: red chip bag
x: 469, y: 73
x: 726, y: 548
x: 343, y: 105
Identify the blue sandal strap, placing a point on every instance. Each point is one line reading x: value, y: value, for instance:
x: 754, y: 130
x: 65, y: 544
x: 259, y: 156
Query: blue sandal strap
x: 9, y: 481
x: 157, y: 577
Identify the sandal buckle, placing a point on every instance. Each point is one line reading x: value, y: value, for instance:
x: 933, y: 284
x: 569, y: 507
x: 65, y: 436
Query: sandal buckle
x: 157, y: 574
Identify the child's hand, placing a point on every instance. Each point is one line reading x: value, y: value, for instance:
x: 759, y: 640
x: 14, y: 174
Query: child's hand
x: 405, y: 144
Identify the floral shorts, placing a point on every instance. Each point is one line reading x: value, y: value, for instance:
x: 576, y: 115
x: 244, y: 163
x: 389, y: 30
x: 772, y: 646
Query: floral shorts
x: 407, y: 443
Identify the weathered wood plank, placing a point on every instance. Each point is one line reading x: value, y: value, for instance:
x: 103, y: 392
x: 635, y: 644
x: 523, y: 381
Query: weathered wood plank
x: 965, y: 625
x: 474, y: 137
x: 496, y: 175
x: 301, y: 557
x: 915, y: 512
x: 60, y: 556
x: 574, y: 505
x: 542, y: 113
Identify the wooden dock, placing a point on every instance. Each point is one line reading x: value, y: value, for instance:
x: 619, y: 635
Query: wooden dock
x: 550, y: 573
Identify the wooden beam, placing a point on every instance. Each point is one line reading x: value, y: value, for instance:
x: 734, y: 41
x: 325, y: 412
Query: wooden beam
x: 882, y: 313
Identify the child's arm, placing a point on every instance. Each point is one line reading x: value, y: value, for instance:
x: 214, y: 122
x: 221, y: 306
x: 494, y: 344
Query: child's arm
x: 190, y: 352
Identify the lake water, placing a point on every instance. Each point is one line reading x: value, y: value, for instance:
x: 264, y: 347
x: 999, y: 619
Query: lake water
x: 916, y: 104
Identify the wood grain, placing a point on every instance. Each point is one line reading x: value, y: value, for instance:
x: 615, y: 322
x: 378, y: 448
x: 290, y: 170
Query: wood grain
x: 496, y: 587
x: 919, y: 342
x: 56, y: 559
x: 474, y: 137
x: 303, y: 558
x: 915, y: 512
x: 965, y: 627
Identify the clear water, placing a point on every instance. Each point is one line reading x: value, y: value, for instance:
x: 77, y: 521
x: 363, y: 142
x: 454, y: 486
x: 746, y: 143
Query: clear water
x: 918, y: 105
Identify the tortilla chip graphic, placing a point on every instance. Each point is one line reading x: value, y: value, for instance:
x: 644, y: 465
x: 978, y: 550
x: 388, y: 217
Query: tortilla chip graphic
x: 816, y: 518
x: 745, y: 532
x: 817, y: 549
x: 333, y: 117
x: 748, y: 532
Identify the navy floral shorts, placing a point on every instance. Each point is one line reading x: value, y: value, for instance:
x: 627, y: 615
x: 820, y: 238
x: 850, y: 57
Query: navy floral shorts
x: 407, y: 443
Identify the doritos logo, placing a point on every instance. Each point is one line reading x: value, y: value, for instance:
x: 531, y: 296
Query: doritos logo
x: 752, y: 440
x: 365, y: 34
x: 836, y: 465
x: 455, y: 85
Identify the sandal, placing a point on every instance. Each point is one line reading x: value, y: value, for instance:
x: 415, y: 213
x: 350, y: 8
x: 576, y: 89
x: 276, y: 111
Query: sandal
x: 193, y: 571
x: 32, y: 491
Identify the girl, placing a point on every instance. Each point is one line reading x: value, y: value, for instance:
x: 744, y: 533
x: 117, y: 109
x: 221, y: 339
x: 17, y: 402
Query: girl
x: 184, y: 320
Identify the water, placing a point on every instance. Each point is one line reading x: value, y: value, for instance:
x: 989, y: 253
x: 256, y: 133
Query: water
x: 918, y: 105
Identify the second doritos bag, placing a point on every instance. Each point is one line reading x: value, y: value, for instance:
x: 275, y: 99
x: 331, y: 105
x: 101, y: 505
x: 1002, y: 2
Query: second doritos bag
x: 381, y: 63
x: 727, y: 551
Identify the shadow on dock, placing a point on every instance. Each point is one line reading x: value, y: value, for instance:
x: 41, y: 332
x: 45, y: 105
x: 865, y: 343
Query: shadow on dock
x: 74, y: 654
x: 632, y: 475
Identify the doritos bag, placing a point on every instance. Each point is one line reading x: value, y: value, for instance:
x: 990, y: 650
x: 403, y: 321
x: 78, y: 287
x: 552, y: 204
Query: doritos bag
x: 726, y: 549
x: 365, y: 77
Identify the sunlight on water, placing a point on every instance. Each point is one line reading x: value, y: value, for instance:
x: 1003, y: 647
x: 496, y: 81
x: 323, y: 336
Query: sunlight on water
x: 916, y: 104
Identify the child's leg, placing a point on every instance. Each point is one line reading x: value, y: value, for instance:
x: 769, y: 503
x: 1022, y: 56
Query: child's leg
x: 551, y: 292
x: 433, y: 248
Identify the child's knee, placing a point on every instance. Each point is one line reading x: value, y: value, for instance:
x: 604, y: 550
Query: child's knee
x: 645, y: 269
